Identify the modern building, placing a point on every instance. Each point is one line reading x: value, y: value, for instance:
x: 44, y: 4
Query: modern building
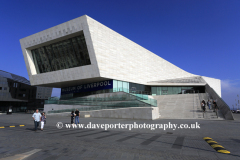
x: 16, y: 91
x: 83, y: 57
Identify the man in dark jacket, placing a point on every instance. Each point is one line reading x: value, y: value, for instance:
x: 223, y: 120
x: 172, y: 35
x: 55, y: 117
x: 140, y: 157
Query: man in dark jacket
x: 214, y: 105
x: 77, y: 116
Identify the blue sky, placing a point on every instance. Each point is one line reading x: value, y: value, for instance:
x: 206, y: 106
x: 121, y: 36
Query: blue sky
x: 199, y: 36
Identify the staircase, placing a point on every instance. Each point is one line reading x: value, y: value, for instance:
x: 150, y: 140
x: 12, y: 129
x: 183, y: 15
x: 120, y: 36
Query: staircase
x: 209, y: 114
x: 184, y: 106
x: 181, y: 106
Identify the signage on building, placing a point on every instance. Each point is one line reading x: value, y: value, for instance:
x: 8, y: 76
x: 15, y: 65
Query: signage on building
x: 108, y: 84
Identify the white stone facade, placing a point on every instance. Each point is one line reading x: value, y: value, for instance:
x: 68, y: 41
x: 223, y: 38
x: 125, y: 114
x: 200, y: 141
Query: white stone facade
x: 57, y: 33
x: 112, y: 56
x: 215, y: 84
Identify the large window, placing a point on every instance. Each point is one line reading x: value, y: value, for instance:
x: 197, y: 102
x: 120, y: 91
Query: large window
x: 61, y: 55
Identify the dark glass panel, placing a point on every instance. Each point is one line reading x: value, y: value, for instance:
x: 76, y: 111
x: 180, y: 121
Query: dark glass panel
x: 61, y: 55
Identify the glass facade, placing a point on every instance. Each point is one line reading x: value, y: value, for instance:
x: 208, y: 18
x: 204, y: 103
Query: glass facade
x: 130, y: 87
x: 65, y: 54
x: 136, y: 89
x: 120, y: 86
x: 177, y: 90
x: 117, y: 86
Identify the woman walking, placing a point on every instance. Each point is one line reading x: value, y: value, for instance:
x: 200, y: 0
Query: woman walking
x: 43, y: 120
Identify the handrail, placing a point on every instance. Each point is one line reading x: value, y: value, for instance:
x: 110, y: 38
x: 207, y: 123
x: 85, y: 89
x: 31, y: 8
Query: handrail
x: 222, y: 105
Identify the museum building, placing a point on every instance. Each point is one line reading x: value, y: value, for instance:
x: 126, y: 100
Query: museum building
x: 84, y: 57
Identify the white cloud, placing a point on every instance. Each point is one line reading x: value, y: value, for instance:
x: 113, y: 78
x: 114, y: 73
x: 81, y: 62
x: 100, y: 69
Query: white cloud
x: 230, y: 90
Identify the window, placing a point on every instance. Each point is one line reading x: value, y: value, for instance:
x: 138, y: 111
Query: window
x: 120, y: 85
x: 159, y: 90
x: 23, y: 95
x: 164, y: 92
x: 154, y: 90
x: 0, y: 88
x: 170, y: 90
x: 125, y: 86
x: 5, y: 88
x: 65, y: 54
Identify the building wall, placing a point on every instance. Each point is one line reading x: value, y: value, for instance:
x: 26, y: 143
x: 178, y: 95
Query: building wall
x: 9, y: 92
x: 54, y: 34
x: 122, y: 59
x: 43, y: 92
x: 112, y: 56
x: 215, y: 84
x: 21, y: 96
x: 5, y: 95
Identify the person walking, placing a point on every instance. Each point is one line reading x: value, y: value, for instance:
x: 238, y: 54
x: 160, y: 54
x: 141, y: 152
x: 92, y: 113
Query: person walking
x: 77, y: 115
x: 214, y: 105
x: 208, y: 104
x: 72, y: 117
x: 216, y: 108
x: 43, y: 120
x: 36, y: 117
x: 203, y: 105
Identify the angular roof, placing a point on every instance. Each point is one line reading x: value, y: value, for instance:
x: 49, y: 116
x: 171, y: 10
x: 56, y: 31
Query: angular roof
x: 195, y: 79
x: 14, y: 77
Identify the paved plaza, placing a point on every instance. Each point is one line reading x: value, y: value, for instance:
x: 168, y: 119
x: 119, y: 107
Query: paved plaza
x: 21, y: 142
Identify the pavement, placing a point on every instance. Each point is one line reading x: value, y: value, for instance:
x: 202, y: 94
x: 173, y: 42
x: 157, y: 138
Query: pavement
x: 21, y: 142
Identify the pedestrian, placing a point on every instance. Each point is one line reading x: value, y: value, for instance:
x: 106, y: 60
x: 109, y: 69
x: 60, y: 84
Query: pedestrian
x: 72, y: 117
x: 216, y: 108
x: 203, y: 105
x: 208, y: 104
x: 214, y: 105
x: 43, y: 120
x: 36, y: 117
x: 77, y: 114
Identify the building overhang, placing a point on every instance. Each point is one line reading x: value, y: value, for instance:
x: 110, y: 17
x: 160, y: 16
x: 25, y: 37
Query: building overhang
x: 175, y: 84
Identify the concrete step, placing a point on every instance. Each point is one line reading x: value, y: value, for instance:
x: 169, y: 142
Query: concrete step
x: 187, y: 106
